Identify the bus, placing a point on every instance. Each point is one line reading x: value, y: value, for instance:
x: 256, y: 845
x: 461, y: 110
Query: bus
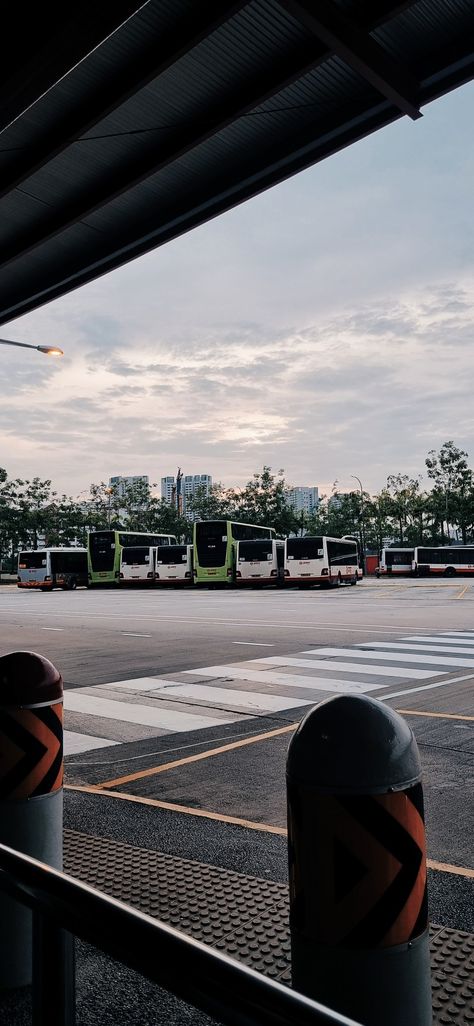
x: 448, y: 560
x: 137, y: 564
x: 395, y: 561
x: 215, y: 544
x: 174, y: 565
x: 259, y: 562
x: 52, y: 568
x: 104, y: 549
x: 320, y: 560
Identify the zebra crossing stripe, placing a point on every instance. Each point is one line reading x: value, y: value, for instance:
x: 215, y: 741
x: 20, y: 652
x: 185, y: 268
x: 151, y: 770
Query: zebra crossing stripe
x: 408, y: 647
x: 398, y: 657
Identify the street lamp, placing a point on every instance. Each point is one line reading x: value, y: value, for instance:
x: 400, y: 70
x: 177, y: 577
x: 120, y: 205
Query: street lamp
x: 362, y: 534
x: 49, y: 350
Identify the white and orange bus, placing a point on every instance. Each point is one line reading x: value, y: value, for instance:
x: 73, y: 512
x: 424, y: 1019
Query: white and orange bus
x: 448, y: 560
x: 395, y: 561
x: 320, y: 560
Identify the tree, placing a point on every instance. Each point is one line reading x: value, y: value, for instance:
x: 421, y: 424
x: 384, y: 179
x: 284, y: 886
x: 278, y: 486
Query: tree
x: 403, y: 496
x: 264, y: 501
x: 212, y: 505
x: 449, y: 470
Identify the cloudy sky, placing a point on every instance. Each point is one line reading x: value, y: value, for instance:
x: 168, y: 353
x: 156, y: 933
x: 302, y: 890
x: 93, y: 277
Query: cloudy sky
x: 325, y: 327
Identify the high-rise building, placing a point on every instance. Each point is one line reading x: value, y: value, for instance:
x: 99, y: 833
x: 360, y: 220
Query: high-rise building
x: 122, y: 484
x: 168, y: 485
x: 303, y: 499
x: 191, y: 484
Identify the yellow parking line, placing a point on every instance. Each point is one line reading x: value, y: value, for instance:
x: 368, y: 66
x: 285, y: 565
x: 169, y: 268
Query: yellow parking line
x: 462, y: 592
x: 439, y: 715
x: 267, y: 828
x: 140, y: 774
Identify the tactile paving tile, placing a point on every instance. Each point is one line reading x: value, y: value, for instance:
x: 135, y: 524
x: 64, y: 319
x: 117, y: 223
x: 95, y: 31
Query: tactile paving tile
x: 244, y: 916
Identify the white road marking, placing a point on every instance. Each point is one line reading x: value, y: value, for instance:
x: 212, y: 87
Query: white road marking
x: 75, y: 743
x: 51, y: 628
x: 275, y: 677
x: 427, y: 687
x: 398, y: 657
x: 258, y: 644
x: 164, y: 719
x: 249, y: 700
x: 442, y: 639
x: 331, y: 664
x: 460, y: 634
x: 381, y: 646
x: 135, y: 684
x: 127, y: 634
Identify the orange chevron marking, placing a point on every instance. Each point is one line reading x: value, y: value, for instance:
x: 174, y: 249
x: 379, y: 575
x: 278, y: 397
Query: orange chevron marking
x: 41, y: 756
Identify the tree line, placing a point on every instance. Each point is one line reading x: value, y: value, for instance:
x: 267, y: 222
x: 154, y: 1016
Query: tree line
x: 402, y: 513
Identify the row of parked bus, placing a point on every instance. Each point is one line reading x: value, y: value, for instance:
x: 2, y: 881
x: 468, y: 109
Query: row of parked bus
x: 423, y: 560
x: 223, y: 552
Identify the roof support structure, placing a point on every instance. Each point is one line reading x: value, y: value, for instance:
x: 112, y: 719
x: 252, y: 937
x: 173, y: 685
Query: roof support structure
x: 59, y: 39
x: 357, y: 49
x: 160, y: 55
x: 257, y: 90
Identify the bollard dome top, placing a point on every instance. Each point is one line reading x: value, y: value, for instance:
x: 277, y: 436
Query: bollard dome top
x: 28, y: 679
x: 354, y: 744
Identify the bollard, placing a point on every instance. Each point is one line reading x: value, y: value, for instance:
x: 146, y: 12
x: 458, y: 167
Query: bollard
x: 357, y: 863
x: 31, y: 795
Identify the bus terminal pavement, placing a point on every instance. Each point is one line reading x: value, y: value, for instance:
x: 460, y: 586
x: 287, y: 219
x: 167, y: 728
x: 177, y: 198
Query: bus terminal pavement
x: 190, y: 826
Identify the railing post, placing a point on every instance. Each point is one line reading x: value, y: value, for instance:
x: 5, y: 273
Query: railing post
x: 31, y: 796
x: 357, y: 862
x: 53, y: 1000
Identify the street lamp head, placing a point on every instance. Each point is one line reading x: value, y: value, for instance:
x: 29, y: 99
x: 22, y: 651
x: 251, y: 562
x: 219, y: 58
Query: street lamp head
x: 50, y: 350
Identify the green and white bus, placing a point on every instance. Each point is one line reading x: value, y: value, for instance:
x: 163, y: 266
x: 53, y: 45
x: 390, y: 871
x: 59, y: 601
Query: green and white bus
x: 215, y: 544
x: 104, y: 550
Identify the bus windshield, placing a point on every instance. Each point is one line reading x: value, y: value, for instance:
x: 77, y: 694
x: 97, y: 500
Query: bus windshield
x: 249, y: 550
x: 211, y: 542
x: 403, y: 557
x: 171, y: 554
x: 136, y: 554
x: 102, y: 550
x: 304, y: 548
x: 31, y: 560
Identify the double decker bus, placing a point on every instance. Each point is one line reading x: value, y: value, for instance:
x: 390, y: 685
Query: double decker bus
x: 448, y: 560
x: 259, y: 562
x: 50, y: 568
x: 320, y: 560
x: 104, y: 550
x: 174, y: 565
x: 215, y: 543
x: 395, y: 561
x: 137, y: 564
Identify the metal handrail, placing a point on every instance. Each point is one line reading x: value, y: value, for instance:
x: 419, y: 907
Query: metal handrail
x: 205, y: 978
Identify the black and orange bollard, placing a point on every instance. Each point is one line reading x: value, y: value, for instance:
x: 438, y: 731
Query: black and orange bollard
x: 31, y: 794
x: 357, y: 863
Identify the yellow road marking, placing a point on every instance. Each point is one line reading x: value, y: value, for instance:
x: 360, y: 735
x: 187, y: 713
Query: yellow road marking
x: 267, y: 828
x: 462, y: 592
x: 185, y: 809
x: 438, y: 715
x: 140, y: 774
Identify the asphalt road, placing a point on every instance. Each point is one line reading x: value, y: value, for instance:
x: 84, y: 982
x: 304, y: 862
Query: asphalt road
x: 189, y: 700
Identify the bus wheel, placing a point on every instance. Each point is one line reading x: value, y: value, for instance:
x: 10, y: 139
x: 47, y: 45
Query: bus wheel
x: 354, y: 581
x: 450, y: 572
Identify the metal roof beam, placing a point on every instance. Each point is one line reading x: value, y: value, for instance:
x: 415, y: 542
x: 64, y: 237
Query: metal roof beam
x: 357, y: 49
x: 140, y: 167
x: 159, y: 55
x: 58, y: 40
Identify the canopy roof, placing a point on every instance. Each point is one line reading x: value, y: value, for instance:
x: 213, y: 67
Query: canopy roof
x: 124, y: 125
